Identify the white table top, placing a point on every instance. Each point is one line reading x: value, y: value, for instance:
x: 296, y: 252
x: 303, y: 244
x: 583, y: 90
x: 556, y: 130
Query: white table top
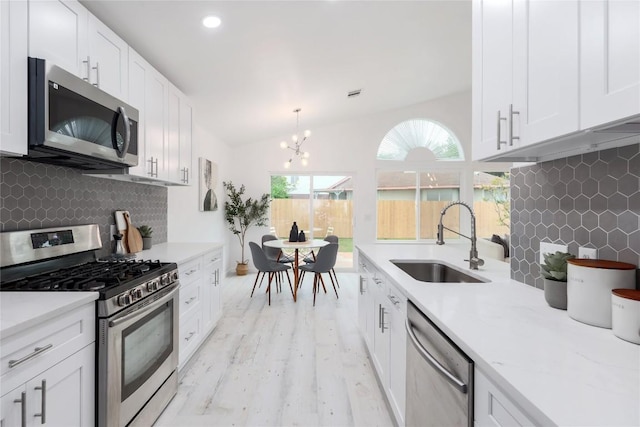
x: 285, y: 244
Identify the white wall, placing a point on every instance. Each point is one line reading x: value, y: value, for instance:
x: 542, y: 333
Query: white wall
x: 185, y: 221
x: 344, y: 148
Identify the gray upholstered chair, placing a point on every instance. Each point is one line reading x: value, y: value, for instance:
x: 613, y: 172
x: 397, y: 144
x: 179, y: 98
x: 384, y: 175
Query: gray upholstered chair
x: 325, y: 261
x: 264, y: 266
x: 311, y: 258
x: 275, y: 254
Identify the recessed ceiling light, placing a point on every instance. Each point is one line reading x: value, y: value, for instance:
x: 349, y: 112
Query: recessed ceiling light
x: 211, y: 22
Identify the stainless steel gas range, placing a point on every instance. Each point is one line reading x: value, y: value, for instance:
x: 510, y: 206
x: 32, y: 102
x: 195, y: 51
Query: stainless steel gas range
x: 137, y: 314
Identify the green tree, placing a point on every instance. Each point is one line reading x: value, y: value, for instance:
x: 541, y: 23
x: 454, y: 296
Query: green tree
x: 280, y: 187
x: 498, y: 193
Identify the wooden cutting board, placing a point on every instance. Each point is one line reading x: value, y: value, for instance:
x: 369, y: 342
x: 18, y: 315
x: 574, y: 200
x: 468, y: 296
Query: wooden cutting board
x: 121, y: 225
x: 134, y: 239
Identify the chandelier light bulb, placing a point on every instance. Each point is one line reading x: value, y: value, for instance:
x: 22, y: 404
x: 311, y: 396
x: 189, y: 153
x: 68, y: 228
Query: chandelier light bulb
x: 298, y: 139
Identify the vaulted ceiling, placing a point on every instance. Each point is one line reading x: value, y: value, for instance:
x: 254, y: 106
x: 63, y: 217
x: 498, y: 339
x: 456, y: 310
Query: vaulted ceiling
x: 267, y: 58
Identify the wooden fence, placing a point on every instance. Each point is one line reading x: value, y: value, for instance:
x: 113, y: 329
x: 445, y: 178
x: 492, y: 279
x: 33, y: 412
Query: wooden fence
x: 396, y: 218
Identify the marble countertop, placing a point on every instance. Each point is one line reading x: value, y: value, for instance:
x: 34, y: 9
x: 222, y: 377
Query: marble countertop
x: 22, y: 310
x: 556, y: 369
x: 177, y: 252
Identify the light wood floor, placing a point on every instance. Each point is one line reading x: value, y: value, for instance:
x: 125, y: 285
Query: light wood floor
x: 288, y: 364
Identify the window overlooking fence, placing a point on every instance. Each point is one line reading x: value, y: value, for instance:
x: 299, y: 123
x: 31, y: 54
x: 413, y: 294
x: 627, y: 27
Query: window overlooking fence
x: 411, y: 191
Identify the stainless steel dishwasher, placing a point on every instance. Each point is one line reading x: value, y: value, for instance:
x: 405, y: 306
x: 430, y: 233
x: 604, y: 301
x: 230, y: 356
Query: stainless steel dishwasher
x: 439, y: 376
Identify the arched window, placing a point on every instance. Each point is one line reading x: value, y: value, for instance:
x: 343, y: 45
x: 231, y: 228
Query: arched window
x: 420, y: 133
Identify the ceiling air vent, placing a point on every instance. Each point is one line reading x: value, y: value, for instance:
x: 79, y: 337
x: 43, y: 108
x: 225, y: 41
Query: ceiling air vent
x: 354, y: 93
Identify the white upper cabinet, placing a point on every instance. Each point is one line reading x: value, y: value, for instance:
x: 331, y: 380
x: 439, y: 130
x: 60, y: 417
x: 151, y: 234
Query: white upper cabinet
x: 492, y: 75
x: 65, y: 33
x: 179, y: 147
x: 546, y: 71
x: 610, y: 80
x: 13, y: 77
x: 156, y: 127
x: 138, y: 71
x: 173, y: 128
x: 187, y: 174
x: 58, y: 33
x: 108, y: 56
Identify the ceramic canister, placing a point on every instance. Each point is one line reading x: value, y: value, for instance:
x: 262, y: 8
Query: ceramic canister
x: 589, y: 285
x: 625, y: 314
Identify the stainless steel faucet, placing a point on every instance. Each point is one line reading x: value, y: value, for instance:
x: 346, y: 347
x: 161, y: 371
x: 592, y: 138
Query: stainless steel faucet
x: 474, y: 261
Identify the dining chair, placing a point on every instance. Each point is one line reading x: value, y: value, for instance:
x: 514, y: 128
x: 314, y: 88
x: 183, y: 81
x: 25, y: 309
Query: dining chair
x: 325, y: 261
x: 310, y: 258
x: 275, y: 254
x: 264, y: 266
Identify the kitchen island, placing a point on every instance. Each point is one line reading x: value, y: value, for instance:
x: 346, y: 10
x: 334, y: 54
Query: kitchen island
x: 556, y: 370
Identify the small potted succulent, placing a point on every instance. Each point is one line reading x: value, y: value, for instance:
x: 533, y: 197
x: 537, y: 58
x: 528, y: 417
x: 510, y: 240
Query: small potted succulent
x: 554, y: 271
x: 145, y: 233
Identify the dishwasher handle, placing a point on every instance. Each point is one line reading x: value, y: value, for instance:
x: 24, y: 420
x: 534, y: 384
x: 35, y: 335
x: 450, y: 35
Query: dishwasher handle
x: 456, y: 382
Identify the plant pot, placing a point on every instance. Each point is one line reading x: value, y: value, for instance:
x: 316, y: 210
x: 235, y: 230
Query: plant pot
x: 147, y: 243
x: 555, y: 293
x: 242, y: 269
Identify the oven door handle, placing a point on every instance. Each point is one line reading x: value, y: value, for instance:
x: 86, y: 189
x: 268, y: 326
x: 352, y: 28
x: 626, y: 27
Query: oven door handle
x: 152, y: 306
x: 457, y: 383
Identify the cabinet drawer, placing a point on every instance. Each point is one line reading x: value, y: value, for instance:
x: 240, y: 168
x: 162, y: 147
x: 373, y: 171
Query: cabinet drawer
x: 189, y: 297
x: 190, y: 271
x: 31, y: 352
x: 212, y: 257
x: 190, y: 334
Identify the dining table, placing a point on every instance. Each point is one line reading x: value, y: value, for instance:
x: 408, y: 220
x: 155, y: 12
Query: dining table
x: 284, y: 244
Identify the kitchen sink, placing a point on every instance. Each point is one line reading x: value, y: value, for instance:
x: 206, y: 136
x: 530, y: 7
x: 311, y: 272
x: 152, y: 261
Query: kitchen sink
x: 431, y: 271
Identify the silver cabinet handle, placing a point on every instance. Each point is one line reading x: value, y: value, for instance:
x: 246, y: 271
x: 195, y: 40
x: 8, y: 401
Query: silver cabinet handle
x: 155, y: 162
x: 189, y: 300
x: 23, y: 410
x: 36, y: 351
x: 190, y: 336
x: 150, y: 161
x: 362, y: 279
x: 511, y: 114
x: 499, y: 139
x: 43, y: 405
x: 380, y: 316
x: 393, y: 299
x: 88, y: 63
x: 97, y: 68
x: 187, y: 181
x: 383, y: 325
x: 190, y: 272
x: 456, y: 382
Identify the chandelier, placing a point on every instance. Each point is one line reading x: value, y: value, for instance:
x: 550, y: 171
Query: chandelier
x: 297, y: 144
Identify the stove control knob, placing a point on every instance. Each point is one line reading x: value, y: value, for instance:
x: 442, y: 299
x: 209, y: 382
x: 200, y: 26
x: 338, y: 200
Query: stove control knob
x: 164, y: 280
x: 138, y: 293
x: 124, y: 300
x: 152, y: 286
x: 174, y: 276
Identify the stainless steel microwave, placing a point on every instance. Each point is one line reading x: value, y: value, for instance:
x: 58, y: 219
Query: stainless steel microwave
x: 73, y: 123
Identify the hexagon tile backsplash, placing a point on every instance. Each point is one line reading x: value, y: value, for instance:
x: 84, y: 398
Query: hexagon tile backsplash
x: 589, y: 200
x: 35, y: 195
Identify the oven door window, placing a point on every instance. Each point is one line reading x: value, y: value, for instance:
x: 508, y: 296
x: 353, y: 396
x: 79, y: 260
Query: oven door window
x: 146, y: 345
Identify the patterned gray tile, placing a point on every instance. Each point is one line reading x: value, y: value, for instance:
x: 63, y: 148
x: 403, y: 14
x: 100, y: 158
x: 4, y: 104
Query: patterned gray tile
x: 591, y: 200
x: 34, y: 195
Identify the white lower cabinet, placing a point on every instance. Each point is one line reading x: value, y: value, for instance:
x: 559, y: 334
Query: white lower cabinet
x: 48, y: 374
x: 200, y: 301
x: 382, y: 311
x: 493, y: 408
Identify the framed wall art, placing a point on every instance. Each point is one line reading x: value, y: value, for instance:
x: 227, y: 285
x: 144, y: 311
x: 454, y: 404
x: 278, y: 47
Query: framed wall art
x: 208, y: 200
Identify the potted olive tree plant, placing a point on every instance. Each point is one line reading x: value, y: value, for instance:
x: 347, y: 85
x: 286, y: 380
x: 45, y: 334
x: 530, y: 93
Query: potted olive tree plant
x: 241, y: 215
x: 554, y: 271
